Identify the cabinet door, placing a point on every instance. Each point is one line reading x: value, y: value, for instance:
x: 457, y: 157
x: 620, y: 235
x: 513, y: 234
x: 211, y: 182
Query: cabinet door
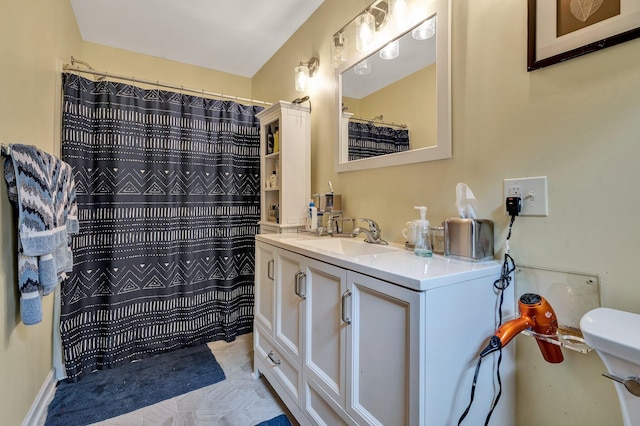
x: 290, y: 295
x: 385, y: 376
x: 264, y: 287
x: 325, y: 339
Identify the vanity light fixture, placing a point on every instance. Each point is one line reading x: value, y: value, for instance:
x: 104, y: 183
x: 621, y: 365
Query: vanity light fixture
x: 338, y: 49
x: 426, y: 30
x: 362, y: 68
x: 398, y: 12
x: 304, y: 71
x: 365, y: 29
x: 391, y: 50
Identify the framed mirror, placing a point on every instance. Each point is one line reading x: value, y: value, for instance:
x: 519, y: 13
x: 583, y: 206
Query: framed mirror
x: 394, y: 98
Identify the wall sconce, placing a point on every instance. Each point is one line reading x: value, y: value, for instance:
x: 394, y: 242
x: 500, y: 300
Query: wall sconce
x: 426, y: 30
x: 304, y: 71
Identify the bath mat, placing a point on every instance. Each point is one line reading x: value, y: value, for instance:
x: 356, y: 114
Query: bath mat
x: 281, y: 420
x: 109, y: 393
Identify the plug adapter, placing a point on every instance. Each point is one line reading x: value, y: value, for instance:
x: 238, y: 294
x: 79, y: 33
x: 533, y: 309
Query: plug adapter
x: 514, y: 205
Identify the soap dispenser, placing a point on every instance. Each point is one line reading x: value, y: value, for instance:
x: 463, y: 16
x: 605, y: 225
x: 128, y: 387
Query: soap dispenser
x: 423, y: 240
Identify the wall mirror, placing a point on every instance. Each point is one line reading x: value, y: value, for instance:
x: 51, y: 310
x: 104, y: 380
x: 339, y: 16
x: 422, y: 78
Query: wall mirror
x: 393, y: 90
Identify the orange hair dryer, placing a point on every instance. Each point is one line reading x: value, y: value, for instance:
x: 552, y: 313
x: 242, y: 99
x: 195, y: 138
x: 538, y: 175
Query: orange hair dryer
x: 537, y: 315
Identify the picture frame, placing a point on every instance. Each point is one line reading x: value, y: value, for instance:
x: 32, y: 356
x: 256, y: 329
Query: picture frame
x: 545, y: 47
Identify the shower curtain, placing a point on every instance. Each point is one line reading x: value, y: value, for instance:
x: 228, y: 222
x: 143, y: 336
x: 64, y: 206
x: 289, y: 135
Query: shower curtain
x: 368, y: 140
x: 168, y: 197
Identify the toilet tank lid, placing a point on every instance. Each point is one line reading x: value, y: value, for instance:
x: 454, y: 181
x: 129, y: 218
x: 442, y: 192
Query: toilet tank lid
x: 613, y: 331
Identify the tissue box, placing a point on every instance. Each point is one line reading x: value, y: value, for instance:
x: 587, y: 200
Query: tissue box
x: 468, y: 239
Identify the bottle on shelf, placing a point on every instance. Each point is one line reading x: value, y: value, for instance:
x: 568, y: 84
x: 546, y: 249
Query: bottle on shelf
x: 270, y: 141
x: 273, y: 180
x: 276, y: 139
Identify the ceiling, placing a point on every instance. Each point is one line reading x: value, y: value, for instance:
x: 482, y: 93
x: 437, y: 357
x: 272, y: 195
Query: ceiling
x: 233, y: 36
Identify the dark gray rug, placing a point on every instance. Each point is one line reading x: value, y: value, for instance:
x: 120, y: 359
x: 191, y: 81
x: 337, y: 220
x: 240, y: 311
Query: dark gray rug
x: 281, y: 420
x: 109, y: 393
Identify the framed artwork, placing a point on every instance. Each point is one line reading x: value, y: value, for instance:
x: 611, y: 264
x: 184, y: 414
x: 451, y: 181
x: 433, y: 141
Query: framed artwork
x: 559, y: 30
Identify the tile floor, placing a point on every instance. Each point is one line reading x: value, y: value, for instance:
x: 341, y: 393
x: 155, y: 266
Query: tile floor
x: 240, y: 400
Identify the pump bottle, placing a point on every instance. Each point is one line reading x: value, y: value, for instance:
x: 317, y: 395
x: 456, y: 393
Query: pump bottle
x: 423, y: 240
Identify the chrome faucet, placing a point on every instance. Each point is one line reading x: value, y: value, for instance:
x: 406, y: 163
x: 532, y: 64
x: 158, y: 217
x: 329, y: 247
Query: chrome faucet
x: 372, y: 235
x: 333, y: 224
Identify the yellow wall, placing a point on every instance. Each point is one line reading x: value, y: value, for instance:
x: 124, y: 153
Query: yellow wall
x: 35, y: 37
x: 126, y: 63
x: 574, y: 122
x: 417, y: 112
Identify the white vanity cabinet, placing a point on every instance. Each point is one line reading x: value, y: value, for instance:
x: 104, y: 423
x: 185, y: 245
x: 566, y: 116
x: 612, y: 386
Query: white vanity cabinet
x: 320, y: 331
x: 342, y: 344
x: 383, y: 352
x: 298, y: 338
x: 278, y: 319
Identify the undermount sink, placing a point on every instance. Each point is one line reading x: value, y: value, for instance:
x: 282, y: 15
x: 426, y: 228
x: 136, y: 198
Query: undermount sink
x: 347, y: 247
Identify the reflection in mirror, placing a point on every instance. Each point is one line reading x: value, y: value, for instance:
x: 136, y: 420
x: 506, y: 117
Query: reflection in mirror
x: 393, y: 105
x: 370, y: 138
x: 396, y: 109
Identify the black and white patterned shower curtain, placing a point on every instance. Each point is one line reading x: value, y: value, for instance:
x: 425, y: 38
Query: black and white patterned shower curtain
x: 168, y: 196
x: 368, y: 140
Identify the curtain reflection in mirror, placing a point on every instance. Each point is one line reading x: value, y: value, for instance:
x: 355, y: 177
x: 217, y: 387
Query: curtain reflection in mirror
x: 369, y: 140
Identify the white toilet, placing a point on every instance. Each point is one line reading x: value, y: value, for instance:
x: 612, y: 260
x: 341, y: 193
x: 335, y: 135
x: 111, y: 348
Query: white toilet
x: 615, y: 336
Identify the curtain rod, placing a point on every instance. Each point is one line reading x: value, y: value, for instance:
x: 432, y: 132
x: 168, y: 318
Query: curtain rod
x: 104, y: 74
x: 364, y: 120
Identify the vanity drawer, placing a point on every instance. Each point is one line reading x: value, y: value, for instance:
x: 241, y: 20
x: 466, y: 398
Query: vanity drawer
x: 275, y: 366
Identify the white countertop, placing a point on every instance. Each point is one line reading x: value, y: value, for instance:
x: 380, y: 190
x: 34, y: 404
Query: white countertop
x: 397, y: 266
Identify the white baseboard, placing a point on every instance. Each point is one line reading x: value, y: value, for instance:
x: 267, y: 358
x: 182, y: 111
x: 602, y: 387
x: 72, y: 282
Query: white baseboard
x: 39, y: 406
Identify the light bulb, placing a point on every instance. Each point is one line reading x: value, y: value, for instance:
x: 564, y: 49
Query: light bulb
x: 338, y: 50
x: 425, y: 30
x: 363, y: 67
x: 365, y: 29
x: 398, y: 12
x: 391, y: 50
x: 301, y: 77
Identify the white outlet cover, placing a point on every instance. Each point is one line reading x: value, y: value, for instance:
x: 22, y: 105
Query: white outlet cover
x: 535, y: 197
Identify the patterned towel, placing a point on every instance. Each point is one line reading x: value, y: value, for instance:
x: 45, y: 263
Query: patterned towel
x: 41, y: 189
x: 66, y: 214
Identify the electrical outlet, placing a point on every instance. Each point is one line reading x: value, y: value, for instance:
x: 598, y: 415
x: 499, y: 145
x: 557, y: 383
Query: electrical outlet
x: 532, y: 191
x: 515, y: 191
